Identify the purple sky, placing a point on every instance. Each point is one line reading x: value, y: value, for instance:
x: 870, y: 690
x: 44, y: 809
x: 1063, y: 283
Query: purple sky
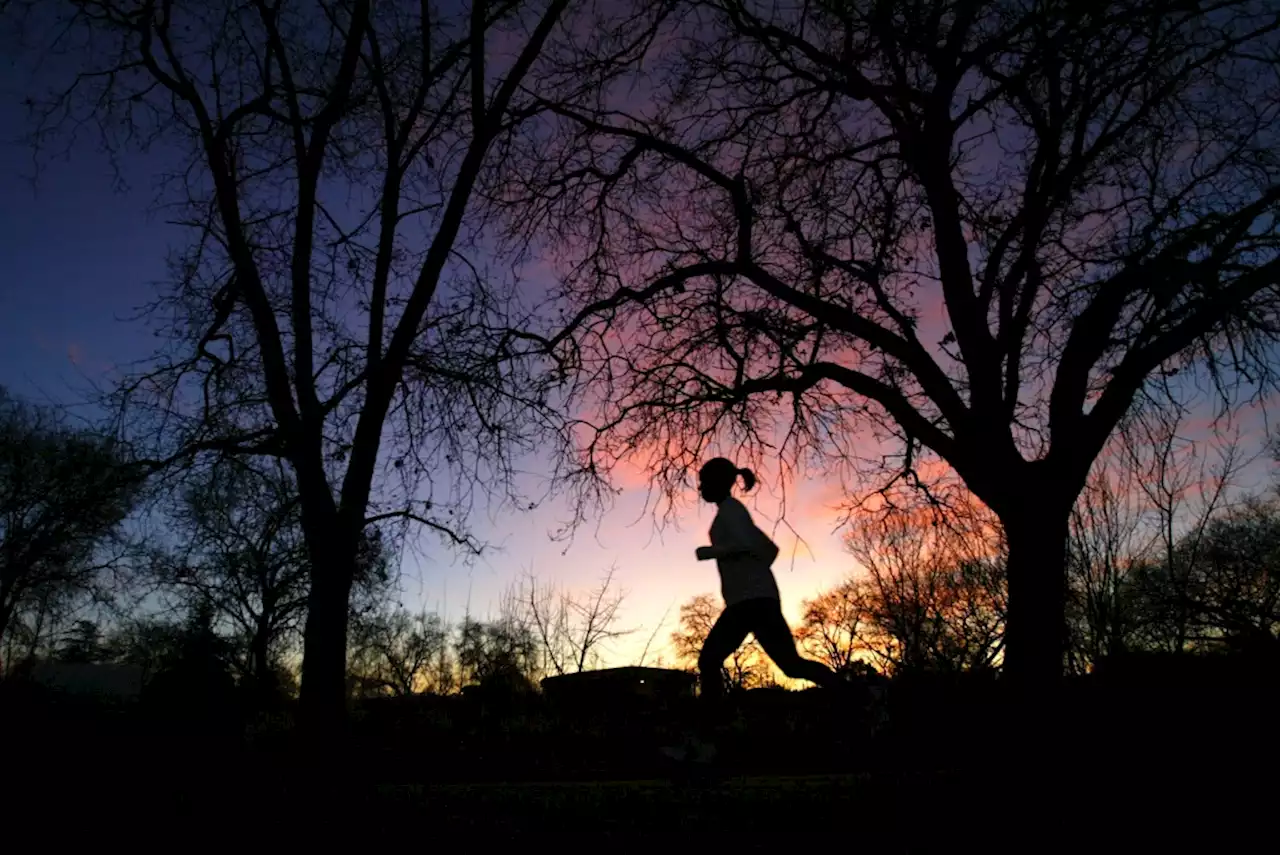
x: 78, y: 256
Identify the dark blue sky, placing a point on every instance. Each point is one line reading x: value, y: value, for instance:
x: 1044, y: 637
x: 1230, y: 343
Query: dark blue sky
x: 75, y: 257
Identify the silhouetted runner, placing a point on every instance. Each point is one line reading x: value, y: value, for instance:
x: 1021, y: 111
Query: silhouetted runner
x: 744, y: 555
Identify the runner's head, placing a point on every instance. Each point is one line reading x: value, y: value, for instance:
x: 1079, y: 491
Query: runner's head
x: 717, y: 476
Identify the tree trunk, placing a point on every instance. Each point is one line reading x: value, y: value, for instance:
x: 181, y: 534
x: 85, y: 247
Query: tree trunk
x: 1036, y: 630
x: 5, y: 610
x: 259, y: 648
x: 323, y: 692
x: 7, y: 606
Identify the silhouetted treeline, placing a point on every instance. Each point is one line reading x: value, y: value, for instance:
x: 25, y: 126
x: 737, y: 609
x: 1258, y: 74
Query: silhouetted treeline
x: 187, y: 643
x: 1166, y: 554
x: 932, y: 594
x: 210, y: 583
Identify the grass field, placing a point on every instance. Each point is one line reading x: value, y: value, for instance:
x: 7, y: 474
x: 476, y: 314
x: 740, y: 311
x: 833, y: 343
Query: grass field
x: 948, y: 780
x: 879, y: 807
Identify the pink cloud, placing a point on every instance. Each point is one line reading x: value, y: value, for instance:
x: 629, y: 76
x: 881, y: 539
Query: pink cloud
x: 75, y: 353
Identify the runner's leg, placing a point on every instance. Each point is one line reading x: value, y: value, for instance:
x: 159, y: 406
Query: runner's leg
x: 771, y: 630
x: 726, y: 635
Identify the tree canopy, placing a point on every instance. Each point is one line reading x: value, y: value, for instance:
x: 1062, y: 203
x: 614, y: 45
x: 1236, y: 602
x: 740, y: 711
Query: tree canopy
x: 977, y: 231
x: 64, y: 492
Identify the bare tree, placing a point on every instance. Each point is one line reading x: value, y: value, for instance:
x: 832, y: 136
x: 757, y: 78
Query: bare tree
x: 337, y: 306
x: 1186, y: 484
x: 572, y: 629
x: 836, y: 624
x: 83, y: 643
x: 402, y: 653
x: 747, y: 668
x: 243, y: 553
x: 1238, y: 595
x: 934, y: 590
x: 979, y: 229
x: 501, y: 651
x: 31, y: 632
x: 1136, y: 529
x: 63, y: 496
x: 1111, y: 539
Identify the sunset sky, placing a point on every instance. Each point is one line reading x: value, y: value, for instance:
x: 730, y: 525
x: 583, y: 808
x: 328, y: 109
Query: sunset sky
x: 79, y: 257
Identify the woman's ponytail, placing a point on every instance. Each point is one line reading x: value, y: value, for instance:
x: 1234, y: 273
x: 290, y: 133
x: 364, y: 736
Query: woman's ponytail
x: 748, y: 478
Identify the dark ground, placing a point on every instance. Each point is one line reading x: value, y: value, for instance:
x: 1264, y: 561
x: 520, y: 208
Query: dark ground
x: 1144, y: 768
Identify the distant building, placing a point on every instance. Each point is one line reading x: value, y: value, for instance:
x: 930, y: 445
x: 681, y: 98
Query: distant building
x: 630, y: 683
